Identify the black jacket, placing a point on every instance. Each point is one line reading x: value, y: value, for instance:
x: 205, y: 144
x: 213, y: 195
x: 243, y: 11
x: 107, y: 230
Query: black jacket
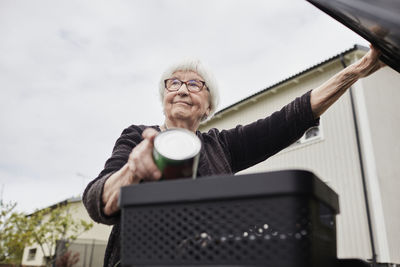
x: 223, y: 152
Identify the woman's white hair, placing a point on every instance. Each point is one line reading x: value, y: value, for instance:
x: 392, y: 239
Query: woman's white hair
x: 190, y: 64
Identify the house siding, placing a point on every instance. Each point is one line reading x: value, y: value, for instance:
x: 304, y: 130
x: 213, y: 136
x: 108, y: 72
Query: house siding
x: 92, y: 241
x: 382, y: 95
x: 334, y: 158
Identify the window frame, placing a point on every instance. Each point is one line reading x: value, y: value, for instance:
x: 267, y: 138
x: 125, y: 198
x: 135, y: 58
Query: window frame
x: 31, y: 254
x: 303, y: 140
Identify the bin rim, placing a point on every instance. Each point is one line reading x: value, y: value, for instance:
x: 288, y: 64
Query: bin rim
x: 223, y: 187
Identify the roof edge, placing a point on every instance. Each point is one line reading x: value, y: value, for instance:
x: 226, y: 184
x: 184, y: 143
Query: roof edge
x: 58, y: 204
x: 352, y: 49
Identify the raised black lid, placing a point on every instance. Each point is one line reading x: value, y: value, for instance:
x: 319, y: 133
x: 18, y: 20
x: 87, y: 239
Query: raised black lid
x: 288, y: 182
x: 376, y: 21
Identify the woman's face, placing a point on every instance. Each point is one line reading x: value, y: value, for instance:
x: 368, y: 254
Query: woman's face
x: 186, y: 105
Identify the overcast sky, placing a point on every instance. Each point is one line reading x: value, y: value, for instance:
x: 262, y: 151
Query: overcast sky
x: 74, y: 74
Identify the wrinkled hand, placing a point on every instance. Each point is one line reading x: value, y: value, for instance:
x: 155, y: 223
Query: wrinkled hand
x: 140, y: 166
x: 369, y: 63
x: 140, y: 162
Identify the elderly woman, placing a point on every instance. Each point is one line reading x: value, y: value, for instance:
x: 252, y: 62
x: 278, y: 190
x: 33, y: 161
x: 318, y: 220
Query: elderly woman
x: 189, y: 96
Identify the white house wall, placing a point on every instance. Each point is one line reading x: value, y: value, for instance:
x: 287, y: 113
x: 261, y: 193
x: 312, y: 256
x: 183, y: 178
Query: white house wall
x: 99, y: 234
x: 382, y: 97
x: 91, y: 252
x: 334, y: 158
x: 38, y: 260
x: 98, y: 231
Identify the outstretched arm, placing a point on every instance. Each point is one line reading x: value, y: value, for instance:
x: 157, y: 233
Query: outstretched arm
x: 325, y: 95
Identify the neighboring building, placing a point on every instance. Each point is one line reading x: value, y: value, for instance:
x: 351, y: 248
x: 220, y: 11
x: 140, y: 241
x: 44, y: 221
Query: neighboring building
x: 355, y: 150
x: 90, y: 245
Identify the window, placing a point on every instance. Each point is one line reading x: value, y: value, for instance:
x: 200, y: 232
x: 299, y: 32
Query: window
x: 31, y: 254
x: 314, y: 133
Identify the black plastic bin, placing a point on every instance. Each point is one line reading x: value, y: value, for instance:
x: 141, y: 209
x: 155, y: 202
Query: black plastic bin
x: 284, y: 218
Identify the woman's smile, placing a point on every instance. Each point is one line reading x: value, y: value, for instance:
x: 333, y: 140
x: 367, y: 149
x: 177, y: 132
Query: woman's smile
x: 183, y: 103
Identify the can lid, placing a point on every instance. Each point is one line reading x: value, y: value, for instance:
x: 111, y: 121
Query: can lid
x: 177, y: 144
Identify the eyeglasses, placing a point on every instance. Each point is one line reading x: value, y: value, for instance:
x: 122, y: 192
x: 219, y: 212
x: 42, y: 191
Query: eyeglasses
x: 174, y: 84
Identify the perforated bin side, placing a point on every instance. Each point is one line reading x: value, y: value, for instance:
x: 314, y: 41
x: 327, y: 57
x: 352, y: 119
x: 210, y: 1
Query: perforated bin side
x: 265, y: 231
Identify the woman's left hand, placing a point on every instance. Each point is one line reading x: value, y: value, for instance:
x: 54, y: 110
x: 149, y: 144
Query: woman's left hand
x: 325, y: 95
x: 369, y: 63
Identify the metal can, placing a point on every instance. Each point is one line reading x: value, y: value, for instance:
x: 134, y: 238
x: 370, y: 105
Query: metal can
x: 176, y: 153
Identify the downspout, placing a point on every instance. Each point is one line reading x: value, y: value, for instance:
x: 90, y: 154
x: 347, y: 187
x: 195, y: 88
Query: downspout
x: 360, y: 157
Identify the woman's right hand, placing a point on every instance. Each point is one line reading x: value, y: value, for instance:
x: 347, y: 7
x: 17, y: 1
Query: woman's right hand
x: 140, y: 163
x: 140, y: 166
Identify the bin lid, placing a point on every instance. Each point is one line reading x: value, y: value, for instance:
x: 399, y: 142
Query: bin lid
x: 287, y: 182
x: 376, y: 21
